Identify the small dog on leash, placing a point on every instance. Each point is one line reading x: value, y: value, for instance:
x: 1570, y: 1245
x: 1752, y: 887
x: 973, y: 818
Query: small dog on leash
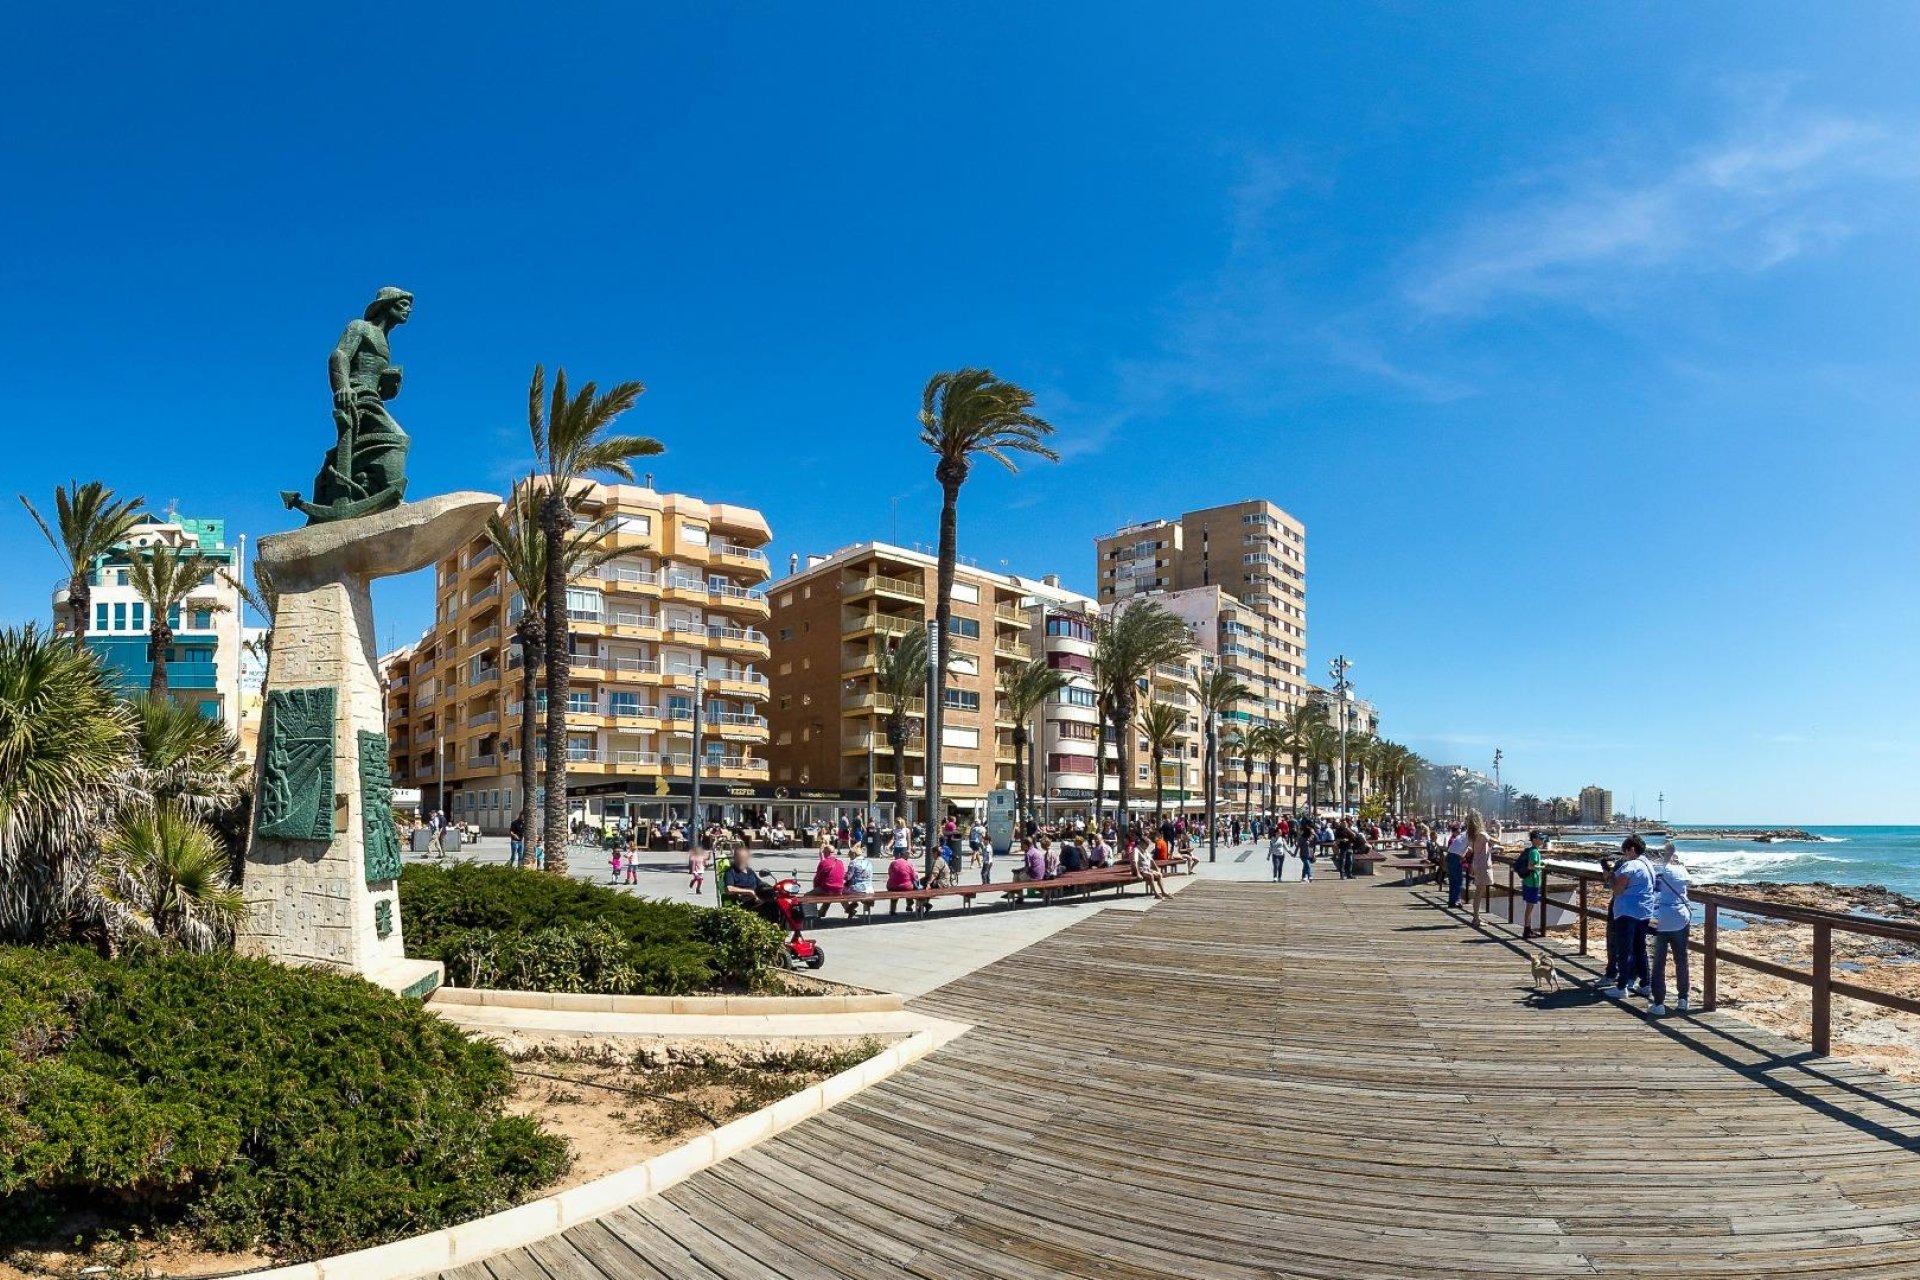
x: 1545, y: 976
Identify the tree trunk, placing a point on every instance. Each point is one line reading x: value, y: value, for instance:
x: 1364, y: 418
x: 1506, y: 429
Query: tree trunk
x: 1213, y: 851
x: 79, y: 606
x: 1020, y: 792
x: 531, y: 654
x: 951, y: 478
x: 160, y: 637
x: 1123, y: 743
x: 1100, y: 770
x: 554, y: 523
x: 1158, y: 758
x: 897, y: 739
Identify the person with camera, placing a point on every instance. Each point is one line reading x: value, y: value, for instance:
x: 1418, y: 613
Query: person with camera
x: 1631, y: 879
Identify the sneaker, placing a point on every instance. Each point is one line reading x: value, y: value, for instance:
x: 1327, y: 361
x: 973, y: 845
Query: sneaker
x: 1658, y: 1010
x: 1611, y: 992
x: 1684, y: 1005
x: 1638, y: 989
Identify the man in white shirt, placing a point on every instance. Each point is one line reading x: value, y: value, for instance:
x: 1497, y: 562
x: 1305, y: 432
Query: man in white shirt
x: 1672, y: 919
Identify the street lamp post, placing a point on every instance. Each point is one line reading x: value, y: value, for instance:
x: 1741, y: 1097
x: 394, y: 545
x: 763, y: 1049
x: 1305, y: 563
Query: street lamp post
x: 1343, y: 691
x: 1499, y: 792
x: 699, y: 707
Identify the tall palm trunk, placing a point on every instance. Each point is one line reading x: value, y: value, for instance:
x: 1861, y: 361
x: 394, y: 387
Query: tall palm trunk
x: 555, y: 520
x: 1246, y: 768
x: 1100, y: 767
x: 1123, y: 734
x: 79, y: 605
x: 1296, y: 781
x: 951, y: 476
x: 160, y: 637
x: 897, y: 739
x: 1159, y: 761
x: 1020, y: 792
x: 532, y: 653
x: 1207, y: 785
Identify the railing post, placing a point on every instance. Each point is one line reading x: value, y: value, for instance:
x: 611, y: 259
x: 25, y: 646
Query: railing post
x: 1710, y: 975
x: 1583, y: 915
x: 1822, y: 989
x: 1513, y: 892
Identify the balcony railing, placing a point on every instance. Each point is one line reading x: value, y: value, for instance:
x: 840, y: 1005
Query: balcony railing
x: 484, y: 554
x: 632, y: 711
x: 742, y: 677
x: 735, y: 549
x: 484, y: 718
x: 636, y: 757
x: 585, y: 615
x: 627, y: 574
x: 745, y: 719
x: 487, y: 761
x: 881, y: 582
x: 727, y: 591
x: 634, y: 618
x: 633, y: 666
x: 485, y: 593
x: 737, y: 635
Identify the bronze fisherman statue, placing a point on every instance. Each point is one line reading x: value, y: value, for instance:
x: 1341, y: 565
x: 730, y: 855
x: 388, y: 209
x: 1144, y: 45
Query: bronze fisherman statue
x: 366, y: 470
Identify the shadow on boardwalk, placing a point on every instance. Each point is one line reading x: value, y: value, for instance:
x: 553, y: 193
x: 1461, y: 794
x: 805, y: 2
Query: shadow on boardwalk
x: 1332, y: 1080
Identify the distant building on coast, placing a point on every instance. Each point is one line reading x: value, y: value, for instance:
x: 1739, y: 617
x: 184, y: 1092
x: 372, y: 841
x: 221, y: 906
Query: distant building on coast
x: 204, y: 662
x: 1596, y: 806
x: 1238, y: 575
x: 674, y: 617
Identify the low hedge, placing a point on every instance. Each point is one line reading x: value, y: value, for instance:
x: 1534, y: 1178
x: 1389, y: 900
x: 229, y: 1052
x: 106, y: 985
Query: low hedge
x: 503, y: 927
x: 261, y: 1105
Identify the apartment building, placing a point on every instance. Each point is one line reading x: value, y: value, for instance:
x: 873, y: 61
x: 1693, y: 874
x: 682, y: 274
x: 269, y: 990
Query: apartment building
x: 1237, y: 575
x: 676, y: 619
x: 203, y: 664
x: 832, y: 621
x: 1596, y: 806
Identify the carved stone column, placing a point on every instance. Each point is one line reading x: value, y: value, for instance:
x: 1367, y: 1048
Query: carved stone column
x: 324, y: 858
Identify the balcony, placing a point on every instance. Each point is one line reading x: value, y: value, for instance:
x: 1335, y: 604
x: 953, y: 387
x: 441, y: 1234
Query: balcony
x: 636, y: 757
x: 424, y: 699
x: 586, y: 615
x: 879, y: 703
x: 753, y: 678
x: 632, y: 620
x: 632, y: 711
x: 749, y: 636
x: 879, y: 623
x: 1008, y: 616
x: 488, y: 761
x: 631, y: 666
x: 738, y: 720
x: 627, y: 575
x: 482, y: 556
x: 734, y: 551
x: 880, y: 584
x: 728, y: 591
x: 483, y: 719
x: 489, y: 592
x: 1007, y: 648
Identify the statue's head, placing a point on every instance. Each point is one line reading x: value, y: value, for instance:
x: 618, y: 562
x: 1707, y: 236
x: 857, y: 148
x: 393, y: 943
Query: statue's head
x: 396, y: 304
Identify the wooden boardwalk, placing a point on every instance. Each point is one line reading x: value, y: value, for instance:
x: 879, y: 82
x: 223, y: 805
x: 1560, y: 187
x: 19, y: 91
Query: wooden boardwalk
x: 1330, y: 1080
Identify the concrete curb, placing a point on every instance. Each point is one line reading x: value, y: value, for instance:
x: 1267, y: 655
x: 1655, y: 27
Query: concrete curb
x: 490, y: 998
x: 537, y: 1219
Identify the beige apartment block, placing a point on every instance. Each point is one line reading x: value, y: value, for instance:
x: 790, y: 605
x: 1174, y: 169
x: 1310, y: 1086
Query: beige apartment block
x: 830, y: 624
x: 1237, y: 575
x: 679, y: 615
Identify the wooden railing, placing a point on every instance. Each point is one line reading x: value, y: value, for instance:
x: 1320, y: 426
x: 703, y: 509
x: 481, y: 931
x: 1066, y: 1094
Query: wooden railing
x: 1712, y: 902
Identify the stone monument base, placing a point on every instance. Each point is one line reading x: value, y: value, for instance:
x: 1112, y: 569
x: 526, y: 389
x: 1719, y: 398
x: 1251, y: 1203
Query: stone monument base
x: 323, y: 864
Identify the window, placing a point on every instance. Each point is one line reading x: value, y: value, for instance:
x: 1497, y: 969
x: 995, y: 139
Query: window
x: 786, y: 633
x: 120, y: 616
x: 960, y: 775
x: 966, y: 593
x: 642, y: 525
x: 1074, y: 731
x: 1074, y: 696
x: 966, y: 739
x: 202, y: 619
x: 139, y: 615
x: 693, y: 535
x: 100, y: 617
x: 580, y: 600
x: 1070, y: 662
x: 968, y: 627
x: 960, y: 699
x: 1069, y: 628
x: 1070, y: 764
x: 623, y: 704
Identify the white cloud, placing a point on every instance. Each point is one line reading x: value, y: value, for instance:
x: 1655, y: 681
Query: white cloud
x: 1771, y: 190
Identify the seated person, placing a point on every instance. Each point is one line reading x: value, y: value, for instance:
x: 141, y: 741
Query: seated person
x: 830, y: 873
x: 1101, y: 854
x: 940, y: 878
x: 1033, y: 861
x: 742, y: 884
x: 1071, y: 857
x: 901, y: 877
x: 1051, y: 856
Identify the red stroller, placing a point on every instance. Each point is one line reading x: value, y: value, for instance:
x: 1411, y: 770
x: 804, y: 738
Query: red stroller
x: 792, y: 911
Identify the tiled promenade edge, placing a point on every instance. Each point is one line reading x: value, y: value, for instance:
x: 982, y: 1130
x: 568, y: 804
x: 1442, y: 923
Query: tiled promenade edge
x: 1330, y: 1080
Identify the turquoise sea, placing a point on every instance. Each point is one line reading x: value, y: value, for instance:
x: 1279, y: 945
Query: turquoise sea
x: 1887, y: 856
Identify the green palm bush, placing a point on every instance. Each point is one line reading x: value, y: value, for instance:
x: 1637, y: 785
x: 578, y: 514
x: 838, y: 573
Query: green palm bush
x: 163, y: 874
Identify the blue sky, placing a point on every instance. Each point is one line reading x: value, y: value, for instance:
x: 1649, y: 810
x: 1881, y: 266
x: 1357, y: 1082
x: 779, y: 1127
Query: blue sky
x: 1582, y: 337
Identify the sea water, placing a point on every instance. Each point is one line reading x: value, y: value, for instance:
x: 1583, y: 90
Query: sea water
x: 1888, y: 856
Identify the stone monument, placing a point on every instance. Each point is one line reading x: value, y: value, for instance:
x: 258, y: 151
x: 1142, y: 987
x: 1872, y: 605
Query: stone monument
x: 323, y: 860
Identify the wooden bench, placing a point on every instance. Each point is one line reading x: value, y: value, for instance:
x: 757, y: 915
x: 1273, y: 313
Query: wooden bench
x: 1016, y: 890
x: 1410, y: 869
x: 1187, y: 860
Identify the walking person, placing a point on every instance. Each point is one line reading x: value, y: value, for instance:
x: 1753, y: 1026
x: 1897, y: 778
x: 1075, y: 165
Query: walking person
x: 1672, y: 921
x: 1530, y: 865
x: 1480, y: 852
x: 1632, y: 885
x: 696, y: 870
x: 1456, y: 864
x: 516, y: 841
x: 1277, y: 853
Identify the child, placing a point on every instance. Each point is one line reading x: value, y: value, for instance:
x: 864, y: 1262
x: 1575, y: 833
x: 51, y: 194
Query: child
x: 632, y: 862
x: 613, y: 865
x: 696, y: 868
x: 540, y: 855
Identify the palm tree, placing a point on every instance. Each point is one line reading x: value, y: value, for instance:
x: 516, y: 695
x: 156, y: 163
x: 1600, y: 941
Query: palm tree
x: 1218, y: 691
x: 162, y: 874
x: 570, y: 442
x: 1022, y: 691
x: 517, y: 535
x: 964, y: 414
x: 92, y: 522
x: 1233, y: 744
x: 1128, y: 645
x: 64, y: 742
x: 1320, y: 744
x: 1160, y: 725
x: 182, y: 758
x: 902, y: 676
x: 164, y: 577
x: 1299, y: 724
x: 1270, y: 742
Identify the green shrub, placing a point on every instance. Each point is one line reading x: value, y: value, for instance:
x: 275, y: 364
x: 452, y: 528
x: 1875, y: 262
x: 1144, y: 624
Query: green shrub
x: 259, y: 1104
x: 497, y: 926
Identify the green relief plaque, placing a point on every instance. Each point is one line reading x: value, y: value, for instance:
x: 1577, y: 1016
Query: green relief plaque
x: 383, y: 918
x: 296, y: 765
x: 376, y: 810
